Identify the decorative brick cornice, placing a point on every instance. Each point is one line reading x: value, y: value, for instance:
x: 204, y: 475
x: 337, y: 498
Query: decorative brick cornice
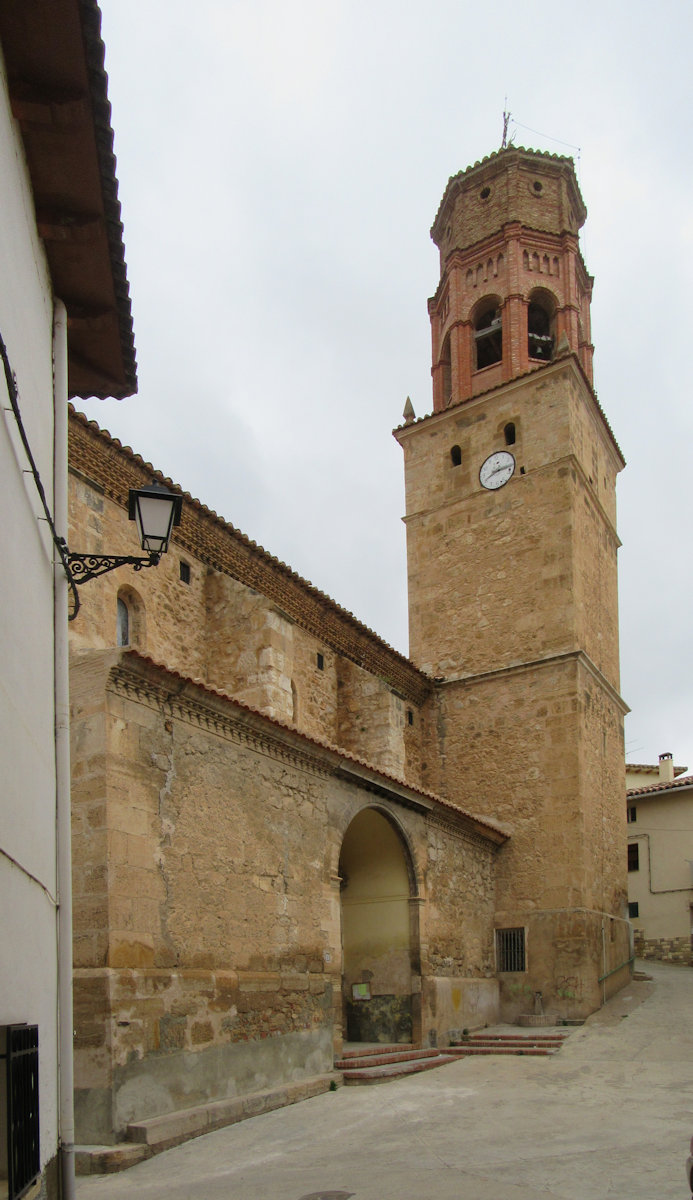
x: 143, y: 681
x: 114, y: 469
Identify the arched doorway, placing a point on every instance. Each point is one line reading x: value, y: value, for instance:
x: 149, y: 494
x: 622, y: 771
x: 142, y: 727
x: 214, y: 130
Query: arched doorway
x: 379, y: 932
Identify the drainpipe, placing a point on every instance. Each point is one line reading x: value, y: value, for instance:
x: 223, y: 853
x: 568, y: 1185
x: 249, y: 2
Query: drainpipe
x: 66, y: 1118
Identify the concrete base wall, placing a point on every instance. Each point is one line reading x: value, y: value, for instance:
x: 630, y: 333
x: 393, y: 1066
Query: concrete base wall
x: 156, y: 1086
x: 452, y: 1004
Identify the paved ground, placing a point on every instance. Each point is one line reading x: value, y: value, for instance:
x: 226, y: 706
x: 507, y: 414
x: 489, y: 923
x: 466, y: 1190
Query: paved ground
x: 610, y: 1116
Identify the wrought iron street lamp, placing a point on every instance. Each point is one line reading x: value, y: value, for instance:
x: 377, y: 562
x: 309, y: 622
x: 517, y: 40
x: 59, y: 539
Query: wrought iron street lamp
x: 155, y: 511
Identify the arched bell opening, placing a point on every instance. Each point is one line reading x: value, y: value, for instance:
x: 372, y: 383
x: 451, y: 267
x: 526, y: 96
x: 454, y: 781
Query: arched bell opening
x: 446, y: 364
x: 541, y: 325
x: 488, y: 333
x: 380, y: 933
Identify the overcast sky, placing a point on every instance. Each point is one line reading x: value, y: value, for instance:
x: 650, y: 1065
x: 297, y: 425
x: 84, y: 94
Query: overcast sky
x: 280, y: 165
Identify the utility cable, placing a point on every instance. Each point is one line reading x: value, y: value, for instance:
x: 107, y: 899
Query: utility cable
x: 59, y: 542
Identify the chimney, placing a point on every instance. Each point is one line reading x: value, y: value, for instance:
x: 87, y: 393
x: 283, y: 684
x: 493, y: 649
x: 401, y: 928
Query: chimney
x: 666, y: 768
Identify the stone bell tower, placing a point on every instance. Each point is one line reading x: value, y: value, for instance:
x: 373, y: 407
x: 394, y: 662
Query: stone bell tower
x: 511, y: 545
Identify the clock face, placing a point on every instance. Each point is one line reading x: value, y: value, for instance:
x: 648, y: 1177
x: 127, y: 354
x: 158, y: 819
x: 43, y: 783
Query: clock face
x: 497, y: 469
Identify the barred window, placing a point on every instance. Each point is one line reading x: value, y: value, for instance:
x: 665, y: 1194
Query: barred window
x: 510, y: 949
x: 19, y: 1142
x: 633, y: 908
x: 633, y: 856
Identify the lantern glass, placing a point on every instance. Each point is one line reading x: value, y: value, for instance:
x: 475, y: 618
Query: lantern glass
x: 155, y: 511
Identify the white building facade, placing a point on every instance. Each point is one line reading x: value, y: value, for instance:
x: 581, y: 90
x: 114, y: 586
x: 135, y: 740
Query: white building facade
x: 54, y: 179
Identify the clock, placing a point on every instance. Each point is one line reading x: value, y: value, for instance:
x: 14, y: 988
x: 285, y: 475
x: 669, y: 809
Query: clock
x: 497, y: 469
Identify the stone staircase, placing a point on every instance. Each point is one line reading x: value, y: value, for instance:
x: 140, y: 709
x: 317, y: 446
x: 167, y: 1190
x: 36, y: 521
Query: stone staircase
x: 539, y: 1045
x: 367, y: 1063
x: 377, y: 1064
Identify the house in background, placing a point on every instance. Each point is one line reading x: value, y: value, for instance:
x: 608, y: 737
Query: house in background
x: 660, y: 860
x: 65, y: 330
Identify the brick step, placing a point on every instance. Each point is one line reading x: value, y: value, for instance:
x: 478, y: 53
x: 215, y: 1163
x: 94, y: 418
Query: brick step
x: 396, y: 1070
x: 356, y: 1051
x: 522, y: 1042
x: 389, y: 1055
x: 533, y: 1051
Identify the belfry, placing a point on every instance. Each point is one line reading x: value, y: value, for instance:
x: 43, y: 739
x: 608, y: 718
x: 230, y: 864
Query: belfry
x: 512, y: 545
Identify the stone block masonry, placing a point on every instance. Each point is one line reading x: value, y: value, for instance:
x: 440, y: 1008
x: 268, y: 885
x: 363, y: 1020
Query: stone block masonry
x: 207, y: 914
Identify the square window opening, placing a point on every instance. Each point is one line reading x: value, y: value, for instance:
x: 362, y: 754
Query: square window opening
x: 510, y: 950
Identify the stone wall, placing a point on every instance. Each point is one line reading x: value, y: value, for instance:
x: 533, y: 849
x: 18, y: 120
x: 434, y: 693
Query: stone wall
x: 541, y: 750
x: 668, y: 950
x: 206, y: 893
x: 240, y: 621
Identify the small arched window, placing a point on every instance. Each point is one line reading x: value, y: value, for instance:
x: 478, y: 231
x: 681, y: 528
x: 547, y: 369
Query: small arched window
x: 130, y: 618
x: 122, y: 623
x: 509, y: 432
x: 539, y: 331
x: 456, y: 456
x: 488, y: 335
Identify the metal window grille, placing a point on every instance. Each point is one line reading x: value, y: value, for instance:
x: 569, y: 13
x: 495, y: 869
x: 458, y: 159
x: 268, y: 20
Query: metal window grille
x: 633, y: 908
x: 510, y: 949
x: 19, y: 1057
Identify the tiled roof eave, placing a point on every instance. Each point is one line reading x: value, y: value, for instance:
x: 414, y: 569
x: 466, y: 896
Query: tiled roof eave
x: 684, y: 781
x: 495, y: 832
x: 399, y: 664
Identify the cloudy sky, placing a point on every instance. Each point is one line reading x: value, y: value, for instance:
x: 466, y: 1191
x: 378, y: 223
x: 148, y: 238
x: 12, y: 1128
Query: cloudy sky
x: 280, y: 165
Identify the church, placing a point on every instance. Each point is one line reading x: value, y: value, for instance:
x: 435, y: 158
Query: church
x: 287, y: 835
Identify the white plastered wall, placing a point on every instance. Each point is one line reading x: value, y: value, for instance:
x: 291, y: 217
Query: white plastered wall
x: 28, y: 962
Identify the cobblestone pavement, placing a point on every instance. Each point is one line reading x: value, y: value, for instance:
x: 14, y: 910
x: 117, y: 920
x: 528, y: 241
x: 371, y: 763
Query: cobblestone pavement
x: 610, y: 1116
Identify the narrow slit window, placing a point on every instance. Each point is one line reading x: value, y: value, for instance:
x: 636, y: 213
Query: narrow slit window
x: 633, y: 856
x: 122, y: 623
x: 184, y: 572
x: 320, y: 662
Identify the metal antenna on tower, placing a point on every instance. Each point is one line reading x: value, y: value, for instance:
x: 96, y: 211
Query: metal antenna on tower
x: 506, y: 121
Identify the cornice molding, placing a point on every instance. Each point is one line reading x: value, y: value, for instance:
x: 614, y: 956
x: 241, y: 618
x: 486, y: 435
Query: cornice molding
x: 579, y: 657
x: 233, y: 725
